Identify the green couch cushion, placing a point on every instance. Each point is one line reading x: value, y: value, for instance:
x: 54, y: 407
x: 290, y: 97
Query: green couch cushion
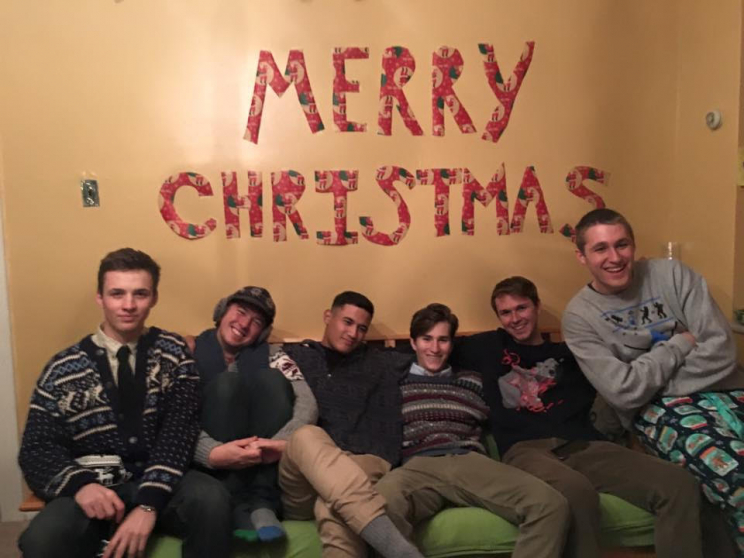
x: 465, y: 531
x: 452, y: 532
x: 624, y: 524
x: 302, y: 542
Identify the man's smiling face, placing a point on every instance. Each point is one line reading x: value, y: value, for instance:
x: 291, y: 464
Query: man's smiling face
x: 609, y: 254
x: 240, y: 326
x: 518, y: 315
x: 346, y: 328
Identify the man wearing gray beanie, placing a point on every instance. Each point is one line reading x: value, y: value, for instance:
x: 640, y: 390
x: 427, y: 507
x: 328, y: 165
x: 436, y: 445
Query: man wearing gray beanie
x: 253, y: 397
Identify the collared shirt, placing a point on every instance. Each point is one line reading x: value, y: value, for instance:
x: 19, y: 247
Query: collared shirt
x: 112, y: 346
x: 420, y: 371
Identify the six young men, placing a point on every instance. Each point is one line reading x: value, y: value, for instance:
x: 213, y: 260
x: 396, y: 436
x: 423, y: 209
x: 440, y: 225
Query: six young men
x: 114, y: 441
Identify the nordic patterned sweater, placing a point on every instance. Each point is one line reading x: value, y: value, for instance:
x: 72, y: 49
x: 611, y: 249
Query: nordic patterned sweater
x: 442, y: 414
x: 75, y: 411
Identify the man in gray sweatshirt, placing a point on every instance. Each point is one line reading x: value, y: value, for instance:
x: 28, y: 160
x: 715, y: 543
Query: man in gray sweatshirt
x: 651, y: 339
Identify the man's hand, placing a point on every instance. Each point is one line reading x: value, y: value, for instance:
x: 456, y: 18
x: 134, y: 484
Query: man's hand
x: 271, y: 450
x: 190, y: 342
x: 689, y: 336
x: 99, y: 502
x: 237, y: 454
x: 131, y: 537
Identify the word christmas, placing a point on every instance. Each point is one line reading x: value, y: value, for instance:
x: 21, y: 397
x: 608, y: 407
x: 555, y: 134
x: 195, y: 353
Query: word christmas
x: 398, y: 67
x: 287, y: 188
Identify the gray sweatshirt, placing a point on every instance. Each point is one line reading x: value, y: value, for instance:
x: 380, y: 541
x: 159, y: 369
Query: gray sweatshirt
x: 630, y: 346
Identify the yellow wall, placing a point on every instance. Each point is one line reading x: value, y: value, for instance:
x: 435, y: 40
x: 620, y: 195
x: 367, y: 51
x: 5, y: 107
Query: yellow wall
x: 135, y: 91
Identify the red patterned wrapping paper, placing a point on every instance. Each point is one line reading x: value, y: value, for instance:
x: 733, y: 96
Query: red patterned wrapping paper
x: 342, y: 86
x: 233, y: 202
x: 268, y: 73
x: 339, y: 183
x: 447, y: 65
x: 386, y: 176
x: 166, y: 199
x: 575, y: 184
x: 441, y: 179
x: 530, y: 192
x: 496, y: 190
x: 287, y: 188
x: 398, y: 66
x: 505, y: 91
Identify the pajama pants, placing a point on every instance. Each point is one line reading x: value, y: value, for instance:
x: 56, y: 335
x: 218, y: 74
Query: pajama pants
x: 690, y: 431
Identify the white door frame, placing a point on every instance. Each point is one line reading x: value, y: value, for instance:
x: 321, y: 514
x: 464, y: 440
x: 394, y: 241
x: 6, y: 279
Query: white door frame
x: 11, y: 492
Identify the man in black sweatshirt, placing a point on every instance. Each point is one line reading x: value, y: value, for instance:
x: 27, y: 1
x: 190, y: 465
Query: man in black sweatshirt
x: 540, y: 418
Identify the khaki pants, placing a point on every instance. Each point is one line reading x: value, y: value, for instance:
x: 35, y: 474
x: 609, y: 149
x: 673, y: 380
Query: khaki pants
x: 425, y: 485
x: 319, y: 479
x: 667, y: 491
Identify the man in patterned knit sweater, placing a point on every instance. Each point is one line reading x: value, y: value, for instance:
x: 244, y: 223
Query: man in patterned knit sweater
x: 540, y: 418
x: 111, y: 431
x: 444, y: 462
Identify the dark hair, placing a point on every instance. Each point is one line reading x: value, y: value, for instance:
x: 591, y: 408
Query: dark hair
x: 355, y: 299
x: 128, y: 259
x: 428, y: 317
x: 602, y: 216
x: 515, y: 286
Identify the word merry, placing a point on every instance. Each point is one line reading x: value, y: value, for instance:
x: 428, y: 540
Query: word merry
x: 287, y: 187
x: 398, y: 67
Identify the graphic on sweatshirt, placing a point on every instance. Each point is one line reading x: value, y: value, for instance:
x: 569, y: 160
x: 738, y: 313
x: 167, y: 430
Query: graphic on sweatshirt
x: 522, y: 387
x: 645, y: 324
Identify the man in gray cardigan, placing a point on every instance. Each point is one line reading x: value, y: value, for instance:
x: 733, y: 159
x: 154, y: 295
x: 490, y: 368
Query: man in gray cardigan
x: 651, y: 339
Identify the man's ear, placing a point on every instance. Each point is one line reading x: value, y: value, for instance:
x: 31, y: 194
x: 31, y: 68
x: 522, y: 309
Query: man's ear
x: 326, y: 317
x: 99, y: 299
x: 580, y: 256
x: 154, y: 299
x: 413, y: 345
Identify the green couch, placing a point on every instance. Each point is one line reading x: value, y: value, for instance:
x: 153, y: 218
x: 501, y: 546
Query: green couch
x: 452, y: 532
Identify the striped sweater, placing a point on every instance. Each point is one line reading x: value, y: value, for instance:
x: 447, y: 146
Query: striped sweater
x: 443, y: 414
x: 75, y: 411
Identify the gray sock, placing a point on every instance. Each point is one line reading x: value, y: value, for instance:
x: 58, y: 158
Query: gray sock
x: 382, y: 535
x: 267, y: 525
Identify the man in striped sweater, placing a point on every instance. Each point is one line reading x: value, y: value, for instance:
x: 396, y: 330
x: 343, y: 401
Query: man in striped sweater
x: 444, y: 462
x: 111, y: 430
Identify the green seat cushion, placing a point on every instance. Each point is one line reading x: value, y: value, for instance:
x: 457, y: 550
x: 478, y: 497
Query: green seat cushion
x: 465, y: 531
x: 452, y: 532
x: 624, y: 524
x: 302, y: 542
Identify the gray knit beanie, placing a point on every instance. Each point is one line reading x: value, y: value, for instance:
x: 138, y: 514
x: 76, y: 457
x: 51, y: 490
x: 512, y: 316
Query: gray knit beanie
x: 255, y: 297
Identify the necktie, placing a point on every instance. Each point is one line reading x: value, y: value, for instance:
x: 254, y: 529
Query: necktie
x: 127, y: 389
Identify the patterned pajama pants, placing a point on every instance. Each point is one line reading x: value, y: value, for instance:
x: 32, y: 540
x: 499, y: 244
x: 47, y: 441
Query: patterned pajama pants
x: 690, y: 431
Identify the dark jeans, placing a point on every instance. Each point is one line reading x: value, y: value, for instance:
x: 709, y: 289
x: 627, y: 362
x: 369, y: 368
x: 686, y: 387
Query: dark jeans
x: 237, y: 406
x: 198, y: 512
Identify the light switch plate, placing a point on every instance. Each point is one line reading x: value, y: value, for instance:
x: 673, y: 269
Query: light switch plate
x: 89, y: 190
